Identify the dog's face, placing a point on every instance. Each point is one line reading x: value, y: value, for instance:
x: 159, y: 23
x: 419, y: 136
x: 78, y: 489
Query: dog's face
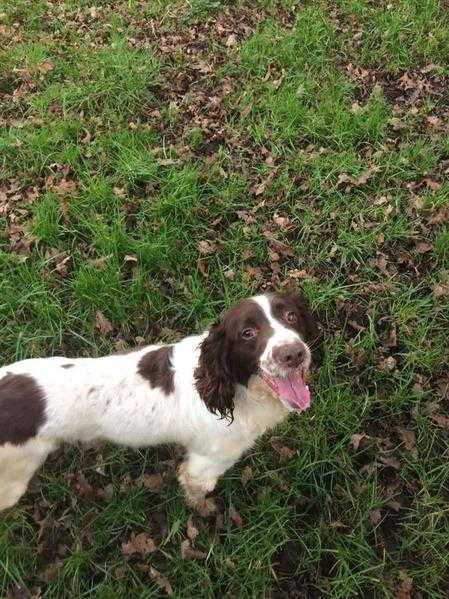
x: 271, y: 336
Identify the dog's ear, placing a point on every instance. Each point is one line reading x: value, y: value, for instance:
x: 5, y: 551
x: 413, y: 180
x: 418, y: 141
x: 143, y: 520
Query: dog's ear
x: 313, y: 335
x: 213, y: 376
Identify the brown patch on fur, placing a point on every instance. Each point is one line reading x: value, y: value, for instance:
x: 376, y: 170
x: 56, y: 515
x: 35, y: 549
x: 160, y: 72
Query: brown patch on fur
x: 22, y: 408
x: 67, y: 365
x: 155, y: 367
x: 227, y: 358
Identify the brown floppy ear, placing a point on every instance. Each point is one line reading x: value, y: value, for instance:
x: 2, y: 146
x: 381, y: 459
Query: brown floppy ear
x: 213, y: 377
x: 309, y: 324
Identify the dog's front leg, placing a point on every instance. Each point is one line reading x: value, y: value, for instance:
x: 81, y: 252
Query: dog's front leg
x: 198, y: 475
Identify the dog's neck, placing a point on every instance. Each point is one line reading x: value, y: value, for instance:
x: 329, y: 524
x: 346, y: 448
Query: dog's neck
x: 256, y: 407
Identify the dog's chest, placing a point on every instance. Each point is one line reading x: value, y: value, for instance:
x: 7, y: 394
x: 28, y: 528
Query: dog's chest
x: 258, y: 410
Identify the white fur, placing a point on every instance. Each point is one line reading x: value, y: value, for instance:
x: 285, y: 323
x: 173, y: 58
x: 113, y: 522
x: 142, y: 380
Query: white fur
x: 106, y: 398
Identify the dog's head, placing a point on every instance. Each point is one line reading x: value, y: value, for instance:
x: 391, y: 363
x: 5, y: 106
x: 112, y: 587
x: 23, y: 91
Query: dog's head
x: 271, y: 336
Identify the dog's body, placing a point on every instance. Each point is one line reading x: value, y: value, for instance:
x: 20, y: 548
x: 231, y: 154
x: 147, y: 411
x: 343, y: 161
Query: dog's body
x: 158, y: 394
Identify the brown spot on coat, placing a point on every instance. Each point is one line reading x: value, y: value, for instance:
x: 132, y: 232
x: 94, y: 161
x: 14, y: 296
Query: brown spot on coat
x: 22, y: 408
x: 155, y: 367
x: 67, y: 365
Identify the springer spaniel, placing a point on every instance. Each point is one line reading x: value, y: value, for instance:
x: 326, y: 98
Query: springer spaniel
x: 213, y: 393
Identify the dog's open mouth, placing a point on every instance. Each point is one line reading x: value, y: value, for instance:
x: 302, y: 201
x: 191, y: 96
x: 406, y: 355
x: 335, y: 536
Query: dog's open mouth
x: 291, y: 389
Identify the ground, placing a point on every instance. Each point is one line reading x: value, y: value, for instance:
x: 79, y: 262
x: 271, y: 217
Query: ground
x: 161, y: 159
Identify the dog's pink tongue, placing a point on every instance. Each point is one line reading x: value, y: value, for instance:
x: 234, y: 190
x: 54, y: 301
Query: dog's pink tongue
x: 294, y: 391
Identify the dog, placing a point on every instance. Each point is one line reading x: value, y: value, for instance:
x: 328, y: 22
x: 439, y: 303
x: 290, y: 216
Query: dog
x: 213, y: 393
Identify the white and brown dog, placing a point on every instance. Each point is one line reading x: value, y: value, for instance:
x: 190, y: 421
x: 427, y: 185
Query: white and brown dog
x: 213, y: 393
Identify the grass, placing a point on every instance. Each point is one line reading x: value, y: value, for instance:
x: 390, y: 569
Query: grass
x: 134, y: 132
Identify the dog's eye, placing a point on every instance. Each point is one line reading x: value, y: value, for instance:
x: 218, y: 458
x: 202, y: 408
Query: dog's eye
x: 291, y: 317
x: 248, y: 333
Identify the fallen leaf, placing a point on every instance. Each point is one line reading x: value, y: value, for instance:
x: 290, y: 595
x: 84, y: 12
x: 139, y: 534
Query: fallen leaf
x: 50, y: 571
x: 432, y: 184
x: 390, y: 461
x: 153, y: 482
x: 285, y: 453
x: 441, y: 420
x: 64, y: 187
x: 440, y: 290
x: 161, y: 581
x: 392, y: 337
x: 409, y: 439
x: 192, y: 531
x: 103, y: 324
x: 235, y: 516
x: 232, y: 40
x: 130, y: 258
x: 395, y: 505
x: 140, y: 544
x: 387, y: 364
x: 207, y: 247
x: 375, y: 517
x: 423, y: 247
x: 61, y: 265
x: 188, y: 552
x: 17, y: 592
x: 404, y: 590
x: 356, y: 439
x: 45, y: 67
x: 439, y: 217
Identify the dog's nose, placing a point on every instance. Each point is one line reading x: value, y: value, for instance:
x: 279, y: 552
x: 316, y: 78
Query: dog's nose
x: 290, y: 355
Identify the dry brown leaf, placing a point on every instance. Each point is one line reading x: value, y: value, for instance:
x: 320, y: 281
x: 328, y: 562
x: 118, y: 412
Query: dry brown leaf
x: 161, y: 581
x: 440, y: 290
x: 395, y: 505
x: 188, y: 552
x: 140, y: 544
x: 441, y: 420
x: 207, y: 247
x: 432, y: 184
x: 103, y: 324
x: 130, y: 258
x: 50, y: 571
x: 390, y: 461
x: 64, y: 187
x: 62, y: 265
x: 153, y: 482
x: 375, y: 517
x: 285, y: 453
x: 423, y: 247
x: 409, y: 439
x: 356, y: 440
x: 192, y: 531
x: 45, y: 67
x: 119, y: 192
x: 404, y: 590
x: 235, y: 516
x: 232, y: 40
x: 392, y: 337
x: 17, y: 592
x: 387, y: 364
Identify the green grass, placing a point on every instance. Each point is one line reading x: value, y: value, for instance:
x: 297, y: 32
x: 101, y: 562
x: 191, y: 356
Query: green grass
x: 323, y: 124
